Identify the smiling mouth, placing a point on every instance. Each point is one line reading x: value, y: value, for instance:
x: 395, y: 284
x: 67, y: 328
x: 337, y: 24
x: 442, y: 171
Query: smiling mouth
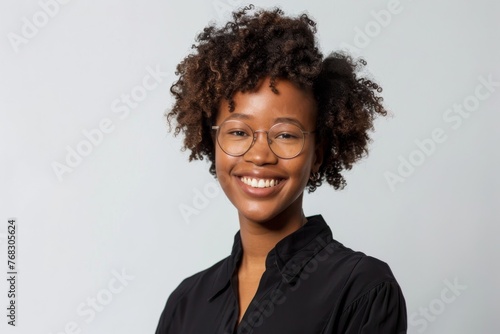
x: 260, y: 183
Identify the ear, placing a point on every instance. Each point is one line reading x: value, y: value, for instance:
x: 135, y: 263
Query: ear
x: 319, y: 153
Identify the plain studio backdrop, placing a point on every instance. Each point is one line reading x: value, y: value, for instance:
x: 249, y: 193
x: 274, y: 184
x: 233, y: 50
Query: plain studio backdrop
x: 111, y: 216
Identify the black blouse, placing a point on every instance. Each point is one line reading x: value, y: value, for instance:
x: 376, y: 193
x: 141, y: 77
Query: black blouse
x: 312, y: 284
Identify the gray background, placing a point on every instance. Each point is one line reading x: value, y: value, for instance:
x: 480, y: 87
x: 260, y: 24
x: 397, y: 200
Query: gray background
x: 119, y: 209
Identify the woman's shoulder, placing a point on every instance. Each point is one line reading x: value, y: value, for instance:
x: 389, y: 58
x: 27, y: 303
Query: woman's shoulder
x: 203, y: 277
x: 198, y: 284
x: 366, y: 292
x: 353, y: 263
x: 360, y: 270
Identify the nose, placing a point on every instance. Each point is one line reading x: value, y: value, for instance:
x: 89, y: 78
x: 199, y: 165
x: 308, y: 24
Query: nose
x: 260, y: 153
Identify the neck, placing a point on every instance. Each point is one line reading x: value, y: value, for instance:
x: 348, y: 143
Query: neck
x: 258, y: 238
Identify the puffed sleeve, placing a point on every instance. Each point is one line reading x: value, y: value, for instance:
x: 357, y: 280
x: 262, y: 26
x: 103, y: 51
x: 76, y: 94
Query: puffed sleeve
x: 382, y: 310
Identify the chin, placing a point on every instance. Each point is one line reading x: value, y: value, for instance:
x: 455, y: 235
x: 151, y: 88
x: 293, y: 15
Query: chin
x: 257, y: 216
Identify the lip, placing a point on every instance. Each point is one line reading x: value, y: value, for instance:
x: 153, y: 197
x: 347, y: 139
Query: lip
x: 259, y: 192
x: 259, y: 174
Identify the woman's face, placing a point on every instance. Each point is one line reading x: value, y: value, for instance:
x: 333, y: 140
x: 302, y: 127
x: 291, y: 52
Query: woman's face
x: 280, y: 192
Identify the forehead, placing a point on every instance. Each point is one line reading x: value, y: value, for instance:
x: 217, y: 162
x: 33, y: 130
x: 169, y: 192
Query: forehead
x: 262, y: 106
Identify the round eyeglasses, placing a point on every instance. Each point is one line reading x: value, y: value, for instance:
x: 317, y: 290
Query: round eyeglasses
x: 235, y: 138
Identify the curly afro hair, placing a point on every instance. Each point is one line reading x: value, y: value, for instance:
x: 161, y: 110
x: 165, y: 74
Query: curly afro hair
x: 266, y: 43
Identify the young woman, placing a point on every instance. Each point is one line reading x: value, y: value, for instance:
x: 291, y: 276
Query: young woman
x: 274, y: 117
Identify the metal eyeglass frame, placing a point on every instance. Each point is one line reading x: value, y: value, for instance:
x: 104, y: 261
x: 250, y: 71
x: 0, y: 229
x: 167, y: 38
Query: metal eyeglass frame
x: 217, y: 127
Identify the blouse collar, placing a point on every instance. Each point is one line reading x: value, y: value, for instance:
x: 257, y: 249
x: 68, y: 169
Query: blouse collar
x: 289, y: 256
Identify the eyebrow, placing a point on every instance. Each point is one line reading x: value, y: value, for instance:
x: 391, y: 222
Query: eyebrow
x: 288, y: 120
x: 276, y: 120
x: 239, y: 116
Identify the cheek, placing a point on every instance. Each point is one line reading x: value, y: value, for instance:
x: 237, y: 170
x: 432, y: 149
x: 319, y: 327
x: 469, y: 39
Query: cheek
x: 306, y: 162
x: 223, y: 166
x: 303, y: 168
x: 218, y: 164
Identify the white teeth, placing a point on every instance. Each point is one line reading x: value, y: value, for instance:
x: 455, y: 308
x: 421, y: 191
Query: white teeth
x: 259, y: 183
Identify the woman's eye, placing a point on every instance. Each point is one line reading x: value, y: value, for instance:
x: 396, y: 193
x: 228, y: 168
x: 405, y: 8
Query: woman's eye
x: 286, y: 136
x: 238, y: 133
